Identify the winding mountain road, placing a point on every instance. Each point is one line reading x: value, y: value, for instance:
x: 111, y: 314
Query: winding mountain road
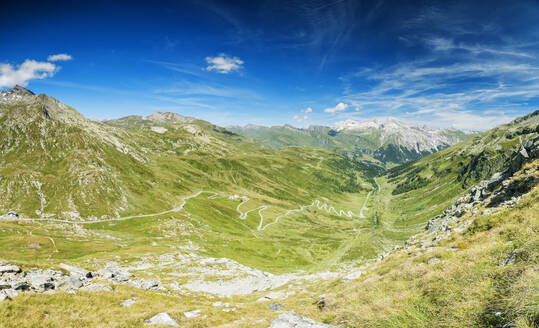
x: 243, y: 215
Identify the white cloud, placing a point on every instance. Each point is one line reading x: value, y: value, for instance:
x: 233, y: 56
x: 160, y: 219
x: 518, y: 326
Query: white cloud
x: 224, y: 64
x: 22, y: 74
x: 59, y: 57
x: 300, y: 119
x: 339, y: 108
x: 303, y: 117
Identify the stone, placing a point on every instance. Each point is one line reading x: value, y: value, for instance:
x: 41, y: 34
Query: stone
x: 292, y: 320
x: 69, y: 283
x: 10, y: 293
x: 97, y: 287
x: 40, y: 281
x: 76, y: 271
x: 192, y: 314
x: 113, y: 271
x: 9, y: 268
x: 162, y: 318
x: 321, y: 303
x: 353, y: 275
x: 275, y: 306
x: 3, y: 296
x: 145, y: 284
x: 510, y: 259
x: 129, y: 302
x: 20, y: 285
x: 219, y: 303
x: 433, y: 260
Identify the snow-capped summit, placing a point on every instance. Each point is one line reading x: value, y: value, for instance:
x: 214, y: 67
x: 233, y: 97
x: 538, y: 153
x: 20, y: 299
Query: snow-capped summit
x: 419, y: 139
x: 355, y: 125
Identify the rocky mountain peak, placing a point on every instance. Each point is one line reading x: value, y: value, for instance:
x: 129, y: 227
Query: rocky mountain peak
x: 21, y: 91
x: 170, y: 117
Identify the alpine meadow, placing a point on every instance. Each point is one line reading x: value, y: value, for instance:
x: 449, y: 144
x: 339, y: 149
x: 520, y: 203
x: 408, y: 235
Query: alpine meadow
x: 281, y: 164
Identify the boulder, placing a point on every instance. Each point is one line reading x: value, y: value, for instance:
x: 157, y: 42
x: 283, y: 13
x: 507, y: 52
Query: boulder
x: 192, y: 314
x: 68, y: 283
x: 510, y: 259
x: 76, y: 271
x: 3, y: 296
x: 20, y: 285
x: 10, y: 293
x: 275, y: 306
x: 353, y: 275
x: 129, y: 302
x: 292, y: 320
x: 433, y: 260
x: 9, y: 268
x: 40, y: 281
x: 145, y: 284
x: 162, y: 319
x: 113, y: 271
x: 97, y: 287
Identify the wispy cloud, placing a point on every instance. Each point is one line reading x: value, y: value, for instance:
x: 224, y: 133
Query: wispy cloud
x: 185, y: 68
x: 59, y: 57
x: 224, y: 64
x: 185, y: 88
x: 451, y: 86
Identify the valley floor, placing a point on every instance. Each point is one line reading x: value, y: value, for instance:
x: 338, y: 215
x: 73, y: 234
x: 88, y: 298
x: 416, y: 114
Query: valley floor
x: 458, y: 279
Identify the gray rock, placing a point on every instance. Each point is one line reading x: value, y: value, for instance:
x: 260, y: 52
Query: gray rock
x: 113, y: 271
x: 10, y: 293
x: 67, y: 283
x: 145, y: 284
x: 97, y: 287
x: 129, y: 302
x: 433, y: 260
x: 192, y: 314
x: 3, y: 296
x: 40, y: 281
x: 275, y: 306
x: 162, y: 319
x: 9, y: 268
x: 20, y: 285
x: 510, y: 259
x: 353, y: 275
x: 76, y: 271
x: 292, y: 320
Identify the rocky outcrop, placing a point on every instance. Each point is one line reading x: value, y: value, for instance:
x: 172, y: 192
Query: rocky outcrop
x: 13, y: 280
x: 292, y: 320
x: 501, y: 190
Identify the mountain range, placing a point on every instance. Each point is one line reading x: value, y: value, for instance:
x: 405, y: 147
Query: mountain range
x: 388, y: 143
x: 167, y: 217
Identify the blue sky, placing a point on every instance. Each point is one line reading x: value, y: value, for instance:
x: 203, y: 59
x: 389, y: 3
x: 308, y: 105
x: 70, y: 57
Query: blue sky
x: 463, y: 64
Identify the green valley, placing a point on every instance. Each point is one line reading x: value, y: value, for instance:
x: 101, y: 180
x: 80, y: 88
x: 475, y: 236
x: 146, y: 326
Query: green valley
x: 178, y: 214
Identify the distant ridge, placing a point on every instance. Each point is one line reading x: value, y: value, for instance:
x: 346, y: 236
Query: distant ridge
x: 390, y: 142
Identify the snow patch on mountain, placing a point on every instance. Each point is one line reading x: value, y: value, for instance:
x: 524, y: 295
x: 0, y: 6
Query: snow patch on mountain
x: 416, y: 138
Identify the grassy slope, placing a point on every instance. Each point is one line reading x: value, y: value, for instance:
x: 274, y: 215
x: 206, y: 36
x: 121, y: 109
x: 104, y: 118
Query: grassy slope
x: 154, y: 173
x: 467, y: 288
